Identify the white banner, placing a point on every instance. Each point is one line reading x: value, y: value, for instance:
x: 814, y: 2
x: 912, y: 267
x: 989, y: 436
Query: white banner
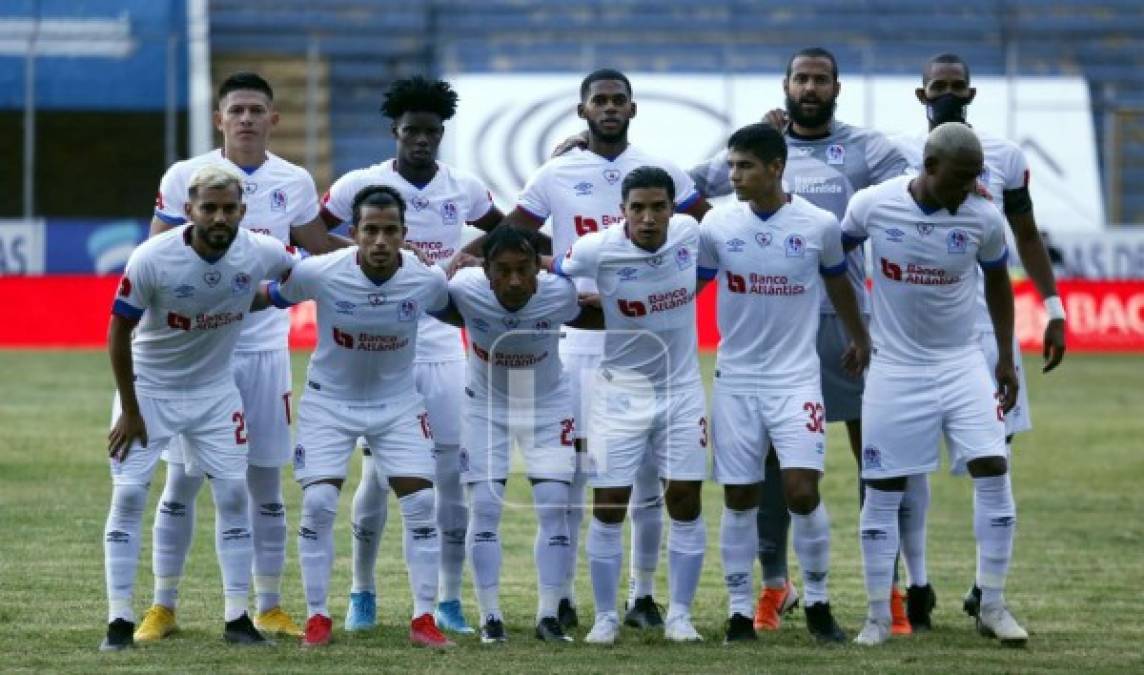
x: 21, y: 247
x: 1113, y: 254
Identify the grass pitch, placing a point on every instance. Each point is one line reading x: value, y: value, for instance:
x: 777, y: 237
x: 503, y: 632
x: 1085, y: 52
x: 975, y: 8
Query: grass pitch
x: 1076, y: 579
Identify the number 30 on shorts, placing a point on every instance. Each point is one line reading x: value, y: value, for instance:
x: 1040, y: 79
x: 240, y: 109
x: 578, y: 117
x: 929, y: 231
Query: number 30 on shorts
x: 817, y: 414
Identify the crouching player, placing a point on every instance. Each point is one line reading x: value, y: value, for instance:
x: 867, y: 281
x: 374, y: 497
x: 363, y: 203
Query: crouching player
x: 360, y: 384
x: 517, y: 392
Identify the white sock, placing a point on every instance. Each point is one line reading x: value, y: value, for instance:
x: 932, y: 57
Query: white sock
x: 173, y: 533
x: 316, y: 544
x: 605, y: 550
x: 268, y: 523
x: 370, y: 509
x: 647, y: 532
x: 486, y: 500
x: 878, y: 526
x: 912, y: 522
x: 686, y: 544
x: 452, y: 518
x: 738, y: 542
x: 121, y: 548
x: 810, y: 535
x: 995, y: 525
x: 233, y: 542
x: 422, y: 548
x: 550, y: 550
x: 575, y: 517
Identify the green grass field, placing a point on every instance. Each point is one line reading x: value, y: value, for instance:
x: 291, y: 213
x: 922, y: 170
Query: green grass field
x: 1076, y: 581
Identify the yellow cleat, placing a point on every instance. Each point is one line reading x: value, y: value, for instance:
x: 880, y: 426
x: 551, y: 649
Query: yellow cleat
x: 277, y: 622
x: 158, y: 623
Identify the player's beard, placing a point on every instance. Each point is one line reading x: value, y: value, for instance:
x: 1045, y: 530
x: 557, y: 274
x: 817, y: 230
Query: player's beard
x: 215, y: 239
x: 821, y: 118
x: 606, y: 137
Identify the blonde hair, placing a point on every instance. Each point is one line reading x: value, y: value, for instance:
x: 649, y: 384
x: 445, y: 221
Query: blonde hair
x: 951, y: 138
x: 214, y: 176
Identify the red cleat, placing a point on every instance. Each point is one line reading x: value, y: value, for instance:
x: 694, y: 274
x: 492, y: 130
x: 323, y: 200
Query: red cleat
x: 423, y: 632
x: 318, y: 629
x: 901, y: 622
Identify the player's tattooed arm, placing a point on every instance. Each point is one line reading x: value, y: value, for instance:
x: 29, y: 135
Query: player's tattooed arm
x: 841, y: 293
x: 591, y: 315
x: 129, y: 426
x: 999, y: 299
x: 777, y: 118
x: 489, y: 221
x: 1035, y: 260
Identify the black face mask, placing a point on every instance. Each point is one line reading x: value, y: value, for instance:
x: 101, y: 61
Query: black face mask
x: 946, y: 108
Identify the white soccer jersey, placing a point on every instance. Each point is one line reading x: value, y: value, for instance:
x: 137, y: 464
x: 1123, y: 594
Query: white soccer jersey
x: 925, y: 270
x: 191, y: 310
x: 580, y: 192
x: 648, y: 300
x: 278, y: 195
x: 1005, y: 169
x: 503, y: 341
x: 435, y: 214
x: 367, y: 332
x: 768, y: 272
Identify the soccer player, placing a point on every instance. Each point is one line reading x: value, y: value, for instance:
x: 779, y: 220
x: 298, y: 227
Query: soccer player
x: 516, y: 392
x: 769, y: 253
x: 828, y: 161
x: 360, y: 383
x: 441, y: 200
x: 929, y: 235
x: 281, y: 202
x: 946, y: 94
x: 580, y: 191
x: 185, y: 293
x: 648, y: 403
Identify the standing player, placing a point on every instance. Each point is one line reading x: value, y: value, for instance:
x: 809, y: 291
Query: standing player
x: 928, y: 375
x: 945, y: 93
x: 280, y: 202
x: 360, y: 383
x: 187, y: 293
x: 829, y: 161
x: 580, y: 192
x: 648, y: 405
x: 441, y: 200
x: 772, y: 249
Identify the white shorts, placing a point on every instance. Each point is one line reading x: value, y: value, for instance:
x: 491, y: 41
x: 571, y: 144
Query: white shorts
x: 397, y: 430
x: 264, y: 383
x: 442, y: 385
x: 630, y: 424
x: 212, y: 424
x: 906, y: 409
x: 544, y: 435
x: 744, y: 425
x: 1018, y: 419
x: 841, y: 391
x: 580, y: 369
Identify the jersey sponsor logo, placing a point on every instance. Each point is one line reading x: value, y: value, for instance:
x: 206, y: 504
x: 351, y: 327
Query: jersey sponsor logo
x: 795, y: 246
x: 735, y: 245
x: 344, y: 307
x: 249, y: 187
x: 407, y: 310
x: 816, y: 185
x: 895, y: 235
x: 184, y: 291
x: 957, y: 241
x: 240, y: 283
x: 124, y: 287
x: 836, y: 154
x: 683, y: 258
x: 918, y: 275
x: 343, y: 339
x: 871, y: 459
x: 435, y: 251
x: 662, y: 302
x: 449, y: 212
x: 178, y: 321
x: 277, y: 200
x: 632, y: 308
x: 583, y: 188
x: 763, y: 239
x: 924, y: 229
x: 628, y: 273
x: 419, y: 203
x: 612, y: 176
x: 376, y: 299
x: 763, y: 284
x: 213, y: 321
x: 212, y: 278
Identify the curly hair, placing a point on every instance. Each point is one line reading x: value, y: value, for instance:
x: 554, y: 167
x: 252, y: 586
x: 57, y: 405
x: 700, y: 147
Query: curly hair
x: 417, y: 94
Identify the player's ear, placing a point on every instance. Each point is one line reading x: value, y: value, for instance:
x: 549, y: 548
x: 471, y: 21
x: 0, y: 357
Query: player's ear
x: 920, y: 93
x: 188, y: 208
x: 972, y: 95
x: 580, y: 111
x: 837, y: 88
x: 273, y: 117
x: 241, y: 210
x: 633, y: 110
x: 217, y: 117
x: 393, y: 129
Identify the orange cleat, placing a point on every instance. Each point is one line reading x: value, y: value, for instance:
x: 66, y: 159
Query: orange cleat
x: 772, y: 604
x: 318, y: 629
x: 901, y: 621
x: 423, y: 632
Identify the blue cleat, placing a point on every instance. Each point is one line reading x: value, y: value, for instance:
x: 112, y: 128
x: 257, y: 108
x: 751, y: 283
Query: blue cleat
x: 362, y: 612
x: 449, y: 617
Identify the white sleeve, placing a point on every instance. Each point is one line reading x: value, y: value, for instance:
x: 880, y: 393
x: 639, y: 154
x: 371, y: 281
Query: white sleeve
x: 1016, y: 169
x: 480, y: 199
x: 708, y: 246
x: 172, y: 196
x: 568, y: 307
x: 534, y: 197
x: 854, y: 221
x: 993, y: 251
x: 436, y: 290
x: 712, y: 178
x: 306, y: 201
x: 339, y: 199
x: 582, y: 259
x: 279, y: 259
x: 884, y: 158
x: 685, y: 193
x: 135, y: 288
x: 832, y: 262
x: 302, y: 284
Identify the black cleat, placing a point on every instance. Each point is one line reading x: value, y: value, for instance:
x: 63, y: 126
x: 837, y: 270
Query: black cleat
x: 821, y: 624
x: 920, y: 601
x: 550, y: 630
x: 566, y: 614
x: 492, y: 632
x: 972, y: 602
x: 739, y: 629
x: 120, y: 636
x: 241, y: 631
x: 644, y: 613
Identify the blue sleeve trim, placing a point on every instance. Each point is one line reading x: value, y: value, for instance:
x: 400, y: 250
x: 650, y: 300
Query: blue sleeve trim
x: 170, y: 220
x: 836, y: 271
x: 558, y: 267
x: 126, y: 310
x: 689, y: 202
x: 276, y: 298
x: 994, y: 264
x: 706, y: 273
x: 851, y: 240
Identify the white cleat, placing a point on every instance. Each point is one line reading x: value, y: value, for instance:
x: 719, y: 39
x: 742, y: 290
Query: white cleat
x: 679, y: 629
x: 605, y: 629
x: 996, y: 621
x: 874, y: 633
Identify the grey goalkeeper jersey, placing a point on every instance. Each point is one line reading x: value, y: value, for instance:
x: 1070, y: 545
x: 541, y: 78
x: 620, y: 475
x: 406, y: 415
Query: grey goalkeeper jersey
x: 826, y: 172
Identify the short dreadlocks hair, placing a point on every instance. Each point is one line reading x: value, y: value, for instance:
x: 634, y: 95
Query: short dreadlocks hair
x: 417, y: 94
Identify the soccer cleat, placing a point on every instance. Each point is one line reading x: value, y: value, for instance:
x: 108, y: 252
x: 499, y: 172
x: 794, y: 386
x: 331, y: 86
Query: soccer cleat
x: 874, y: 633
x: 566, y: 614
x: 920, y: 602
x: 739, y: 629
x: 119, y: 636
x: 362, y: 612
x: 899, y: 622
x: 241, y: 631
x: 158, y: 623
x: 450, y: 617
x: 423, y: 632
x: 996, y: 621
x: 644, y: 613
x: 772, y: 604
x: 493, y: 631
x: 972, y: 602
x: 821, y: 624
x: 550, y: 630
x: 679, y: 629
x: 276, y: 621
x: 318, y: 631
x: 605, y: 629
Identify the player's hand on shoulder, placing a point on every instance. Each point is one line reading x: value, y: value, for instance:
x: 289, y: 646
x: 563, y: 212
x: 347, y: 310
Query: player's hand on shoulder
x: 574, y: 141
x: 1054, y: 349
x: 777, y: 118
x: 1007, y: 384
x: 462, y: 260
x: 127, y: 428
x: 419, y: 253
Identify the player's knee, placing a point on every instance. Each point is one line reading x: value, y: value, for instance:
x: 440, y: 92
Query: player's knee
x: 320, y: 504
x: 985, y: 467
x: 741, y: 497
x: 684, y: 500
x: 418, y: 506
x: 610, y: 505
x: 129, y: 500
x: 887, y: 484
x: 802, y: 499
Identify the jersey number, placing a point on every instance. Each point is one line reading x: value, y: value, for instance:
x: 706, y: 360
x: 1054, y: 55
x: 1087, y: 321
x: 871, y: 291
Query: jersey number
x: 817, y: 414
x: 239, y: 428
x: 584, y: 225
x: 567, y: 427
